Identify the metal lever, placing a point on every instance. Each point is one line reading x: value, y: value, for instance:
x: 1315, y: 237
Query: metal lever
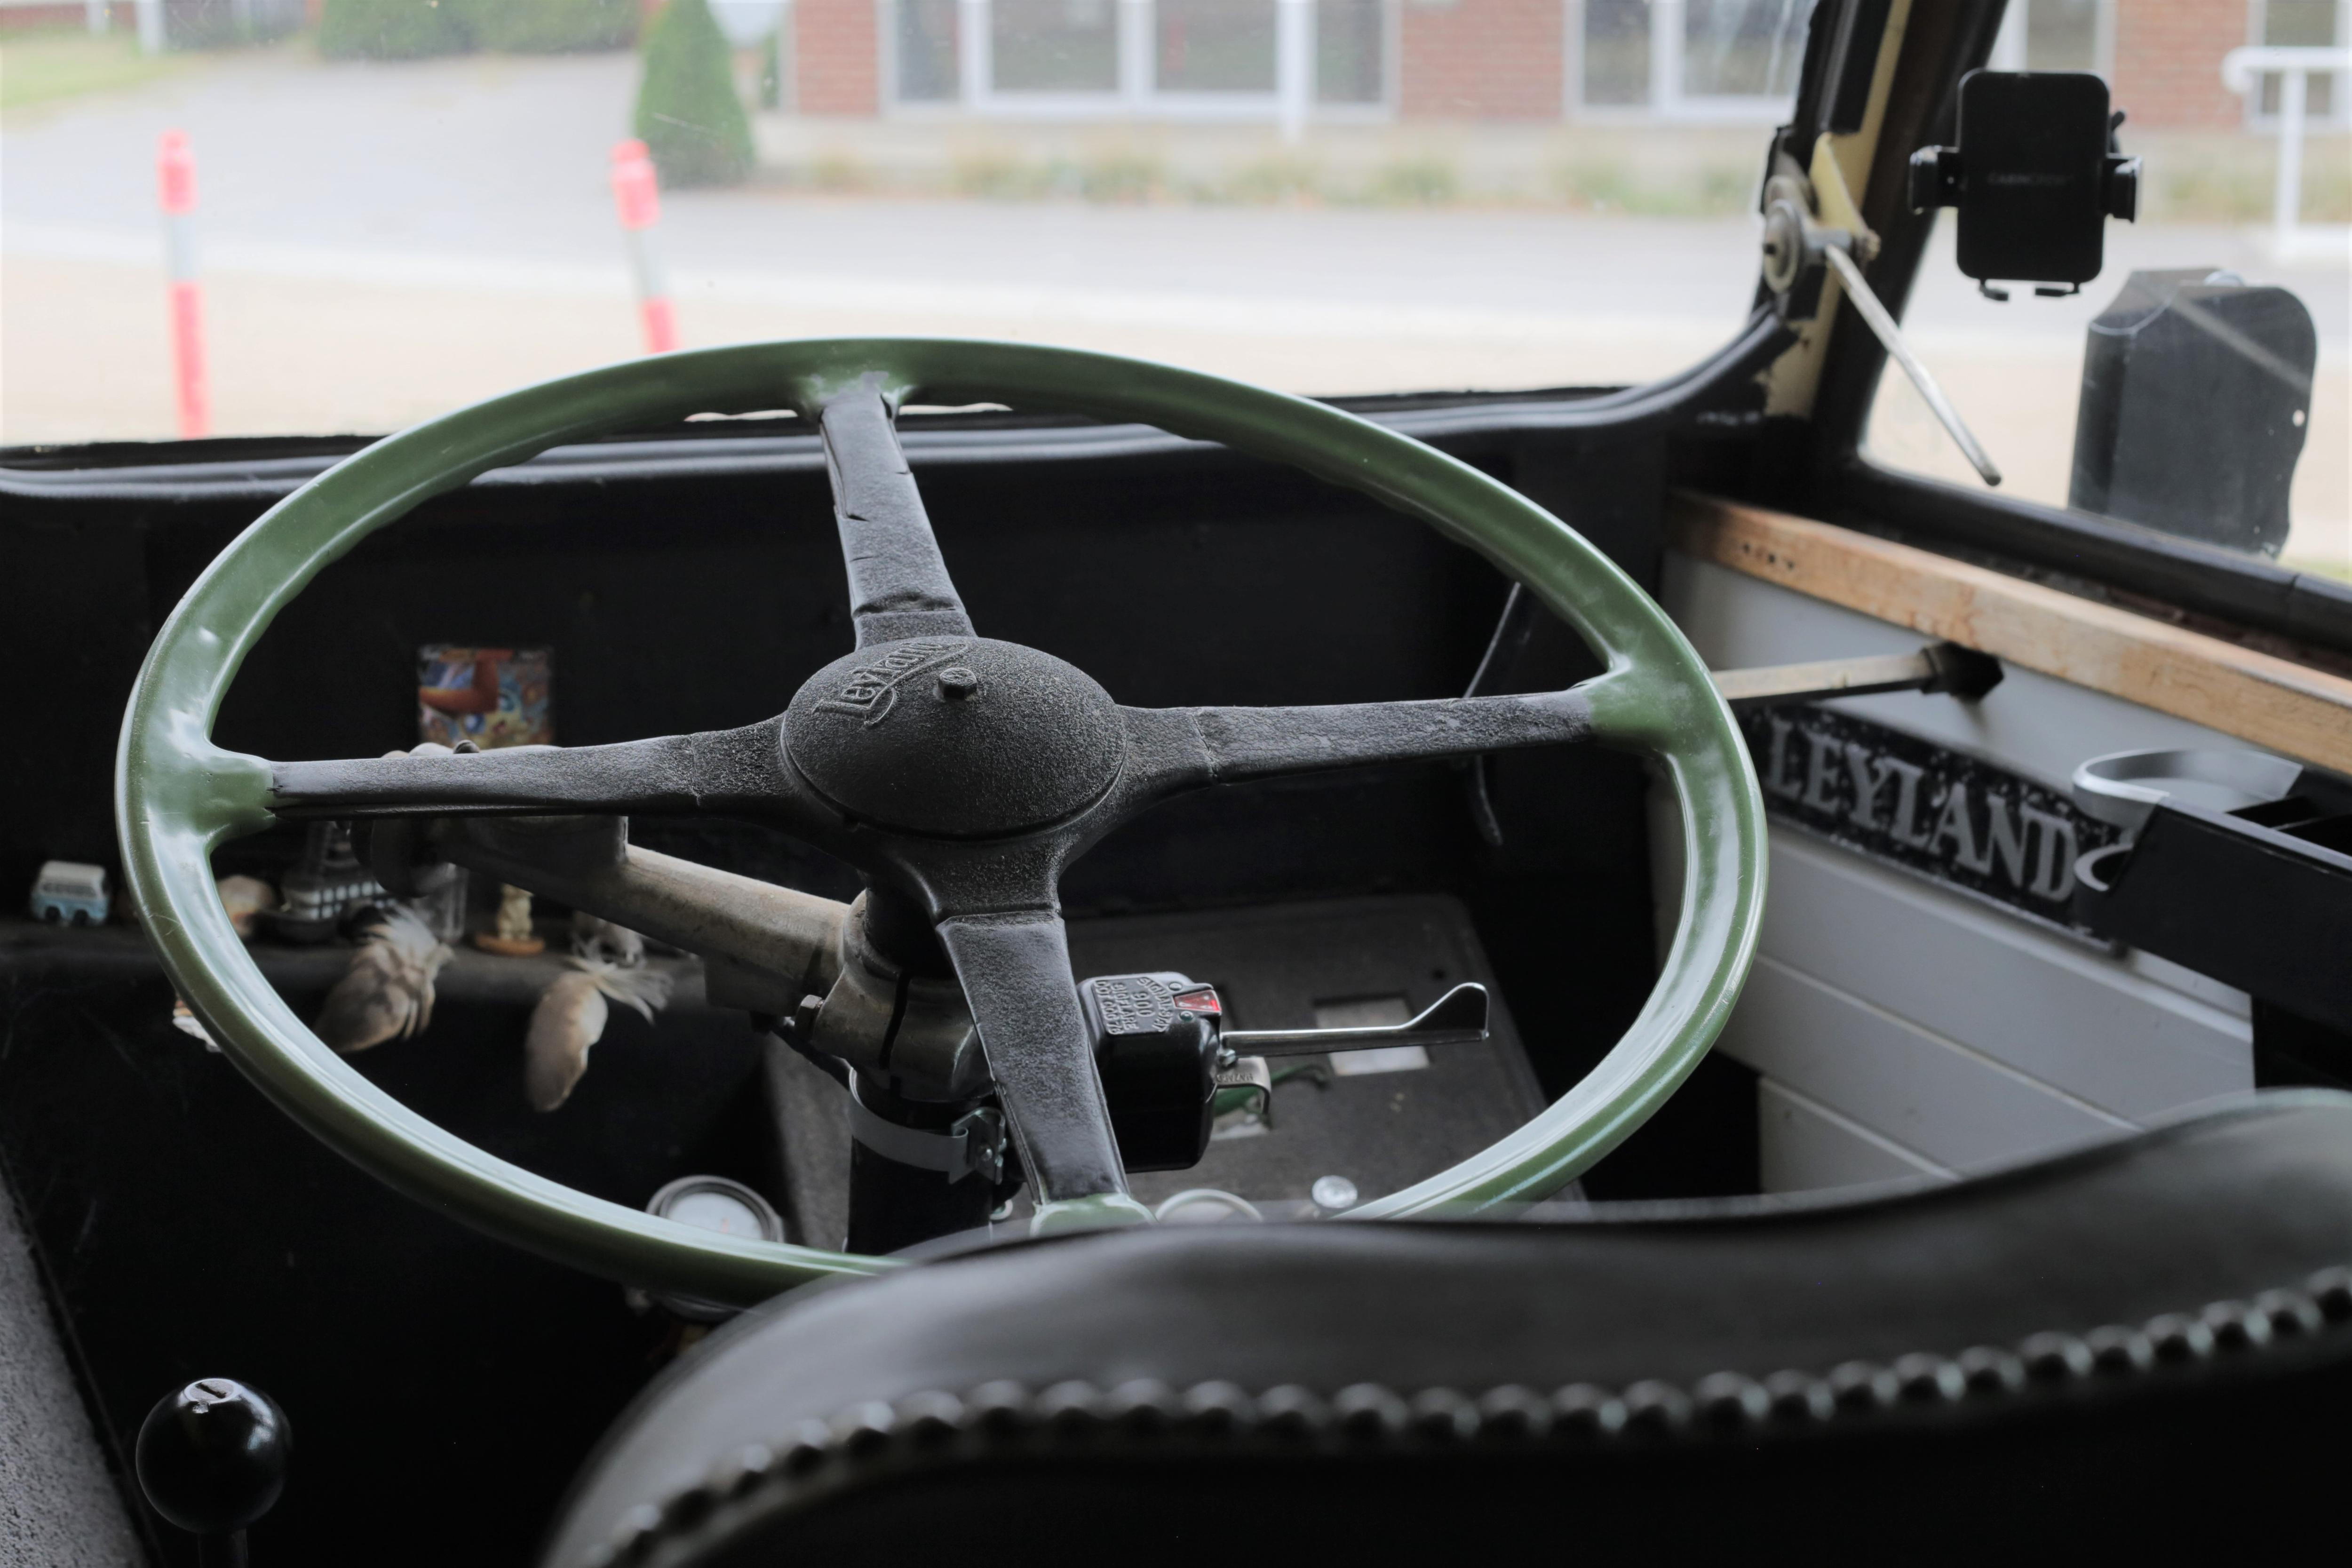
x: 1943, y: 667
x: 1457, y: 1018
x: 1882, y: 324
x: 1795, y: 242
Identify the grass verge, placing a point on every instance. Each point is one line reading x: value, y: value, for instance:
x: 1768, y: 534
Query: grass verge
x: 44, y: 66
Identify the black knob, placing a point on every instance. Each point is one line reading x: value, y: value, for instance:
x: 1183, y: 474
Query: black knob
x: 212, y: 1456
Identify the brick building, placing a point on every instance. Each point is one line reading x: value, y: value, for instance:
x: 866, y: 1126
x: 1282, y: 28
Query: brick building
x: 1295, y: 62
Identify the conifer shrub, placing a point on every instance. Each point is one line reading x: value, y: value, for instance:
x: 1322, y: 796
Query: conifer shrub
x: 688, y: 113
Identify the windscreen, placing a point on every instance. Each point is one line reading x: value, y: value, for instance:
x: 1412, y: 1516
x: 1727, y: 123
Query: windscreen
x: 276, y: 217
x: 2197, y: 388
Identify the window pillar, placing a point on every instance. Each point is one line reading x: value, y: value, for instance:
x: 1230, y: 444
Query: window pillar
x: 1135, y: 53
x: 1665, y: 54
x: 971, y: 51
x: 1293, y: 65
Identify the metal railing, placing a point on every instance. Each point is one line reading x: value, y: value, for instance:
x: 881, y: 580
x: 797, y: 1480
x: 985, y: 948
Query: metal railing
x: 2242, y: 71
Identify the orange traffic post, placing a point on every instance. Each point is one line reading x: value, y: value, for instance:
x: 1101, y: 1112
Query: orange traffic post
x: 638, y: 198
x: 175, y: 172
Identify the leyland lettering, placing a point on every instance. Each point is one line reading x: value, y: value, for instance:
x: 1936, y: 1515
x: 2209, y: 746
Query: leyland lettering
x: 1911, y: 803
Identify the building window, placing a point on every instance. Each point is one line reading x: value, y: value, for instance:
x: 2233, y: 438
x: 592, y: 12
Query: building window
x: 924, y: 51
x: 1616, y: 53
x: 1054, y: 45
x: 1213, y: 46
x: 1179, y: 58
x: 1743, y: 48
x: 2305, y: 23
x: 2056, y: 36
x: 1694, y: 59
x: 1351, y: 52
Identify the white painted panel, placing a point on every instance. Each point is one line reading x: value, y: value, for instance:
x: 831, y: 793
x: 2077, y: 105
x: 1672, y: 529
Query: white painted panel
x: 2031, y: 724
x: 1805, y: 1145
x: 2054, y: 1009
x: 1901, y: 1025
x: 2177, y: 977
x: 1949, y: 1103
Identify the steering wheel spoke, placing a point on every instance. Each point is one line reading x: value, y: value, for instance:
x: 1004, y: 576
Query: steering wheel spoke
x: 732, y: 771
x: 1173, y: 750
x: 1016, y: 973
x: 898, y: 585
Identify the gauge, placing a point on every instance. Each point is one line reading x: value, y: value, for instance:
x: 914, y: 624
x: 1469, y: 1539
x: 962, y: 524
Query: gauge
x: 716, y: 1204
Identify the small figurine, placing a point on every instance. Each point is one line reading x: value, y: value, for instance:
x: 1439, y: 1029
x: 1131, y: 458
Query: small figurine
x: 70, y: 892
x: 570, y: 1017
x: 246, y: 899
x: 514, y: 938
x: 593, y: 937
x: 388, y: 989
x: 325, y: 886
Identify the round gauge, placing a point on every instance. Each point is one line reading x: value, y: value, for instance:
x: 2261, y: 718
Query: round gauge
x: 712, y: 1203
x: 1204, y: 1205
x: 707, y: 1208
x: 1333, y: 1193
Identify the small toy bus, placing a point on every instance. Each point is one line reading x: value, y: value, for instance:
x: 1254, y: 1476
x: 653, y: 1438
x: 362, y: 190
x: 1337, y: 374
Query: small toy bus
x: 68, y: 892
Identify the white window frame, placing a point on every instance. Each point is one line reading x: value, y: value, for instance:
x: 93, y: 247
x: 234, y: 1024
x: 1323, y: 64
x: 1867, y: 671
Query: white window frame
x: 2008, y: 45
x: 2339, y: 110
x: 1292, y: 105
x: 1668, y: 100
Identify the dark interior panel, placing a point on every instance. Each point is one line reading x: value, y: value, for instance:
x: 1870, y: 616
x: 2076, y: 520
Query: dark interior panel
x: 700, y: 602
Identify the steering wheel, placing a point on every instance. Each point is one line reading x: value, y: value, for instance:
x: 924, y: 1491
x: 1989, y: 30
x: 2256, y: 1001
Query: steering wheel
x: 958, y: 773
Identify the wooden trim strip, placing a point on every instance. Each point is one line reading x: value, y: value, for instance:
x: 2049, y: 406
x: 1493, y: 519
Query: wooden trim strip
x: 2289, y: 708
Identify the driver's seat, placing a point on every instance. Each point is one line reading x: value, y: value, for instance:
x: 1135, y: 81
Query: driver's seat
x: 2144, y: 1345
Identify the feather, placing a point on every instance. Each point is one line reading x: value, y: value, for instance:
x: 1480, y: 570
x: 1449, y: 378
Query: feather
x: 387, y: 990
x: 595, y: 938
x: 569, y: 1019
x: 571, y: 1016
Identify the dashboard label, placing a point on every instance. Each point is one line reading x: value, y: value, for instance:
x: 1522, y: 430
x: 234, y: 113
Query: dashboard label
x: 1937, y: 813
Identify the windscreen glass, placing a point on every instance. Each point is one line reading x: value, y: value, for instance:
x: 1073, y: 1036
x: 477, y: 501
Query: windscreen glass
x: 328, y: 216
x: 2199, y: 386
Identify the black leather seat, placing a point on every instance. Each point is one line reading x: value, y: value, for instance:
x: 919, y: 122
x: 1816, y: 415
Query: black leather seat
x: 2146, y: 1345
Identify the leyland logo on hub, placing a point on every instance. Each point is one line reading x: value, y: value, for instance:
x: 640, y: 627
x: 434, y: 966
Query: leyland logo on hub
x: 872, y: 689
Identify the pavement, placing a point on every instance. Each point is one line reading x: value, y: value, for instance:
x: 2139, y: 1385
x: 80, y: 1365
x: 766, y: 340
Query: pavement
x: 383, y: 242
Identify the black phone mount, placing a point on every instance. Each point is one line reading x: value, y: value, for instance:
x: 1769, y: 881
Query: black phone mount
x: 2036, y: 176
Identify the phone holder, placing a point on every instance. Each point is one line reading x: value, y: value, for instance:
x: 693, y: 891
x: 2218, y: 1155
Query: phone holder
x: 2035, y: 177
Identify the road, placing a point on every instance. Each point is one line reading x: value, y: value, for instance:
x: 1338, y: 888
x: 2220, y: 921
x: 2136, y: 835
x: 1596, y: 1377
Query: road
x: 383, y: 242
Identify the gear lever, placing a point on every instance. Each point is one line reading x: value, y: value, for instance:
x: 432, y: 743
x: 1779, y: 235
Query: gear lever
x: 211, y: 1458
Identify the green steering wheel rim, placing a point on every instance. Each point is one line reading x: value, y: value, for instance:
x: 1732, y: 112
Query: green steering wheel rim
x: 178, y: 795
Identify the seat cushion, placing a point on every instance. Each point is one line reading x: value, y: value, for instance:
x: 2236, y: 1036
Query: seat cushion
x: 2150, y: 1335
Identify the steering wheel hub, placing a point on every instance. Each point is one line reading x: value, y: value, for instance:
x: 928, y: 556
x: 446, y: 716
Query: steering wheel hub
x: 954, y: 737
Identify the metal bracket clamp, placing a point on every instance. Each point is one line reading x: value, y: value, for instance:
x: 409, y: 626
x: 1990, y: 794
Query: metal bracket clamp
x: 974, y: 1145
x: 1249, y: 1073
